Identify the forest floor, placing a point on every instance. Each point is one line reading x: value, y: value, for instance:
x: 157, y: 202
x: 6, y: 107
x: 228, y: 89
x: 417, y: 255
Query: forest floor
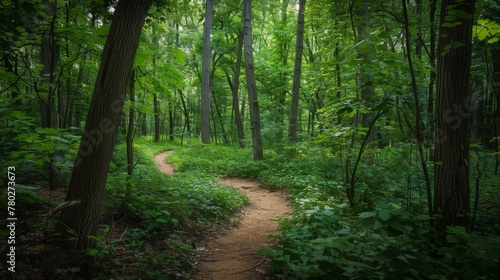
x: 233, y: 253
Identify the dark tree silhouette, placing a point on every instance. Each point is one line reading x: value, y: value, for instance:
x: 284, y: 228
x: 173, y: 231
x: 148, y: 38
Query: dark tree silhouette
x: 90, y: 171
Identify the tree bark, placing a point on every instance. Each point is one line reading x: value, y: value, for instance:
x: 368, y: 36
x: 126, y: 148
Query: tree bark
x: 131, y: 126
x: 251, y: 83
x: 432, y: 63
x: 495, y: 55
x: 299, y: 49
x: 451, y: 172
x: 90, y: 170
x: 156, y: 118
x: 205, y: 75
x: 234, y: 90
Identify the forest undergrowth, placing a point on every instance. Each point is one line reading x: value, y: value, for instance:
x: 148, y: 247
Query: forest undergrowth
x: 152, y: 222
x: 386, y: 235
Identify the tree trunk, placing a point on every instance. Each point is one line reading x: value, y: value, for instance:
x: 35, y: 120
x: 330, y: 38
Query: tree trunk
x: 186, y: 113
x: 49, y: 57
x: 90, y: 170
x: 205, y: 75
x: 284, y: 47
x: 299, y: 48
x: 131, y: 126
x: 251, y: 83
x: 171, y: 121
x: 419, y: 125
x: 451, y: 183
x: 156, y: 118
x: 365, y: 77
x: 432, y: 63
x: 477, y: 128
x: 234, y: 90
x: 221, y: 121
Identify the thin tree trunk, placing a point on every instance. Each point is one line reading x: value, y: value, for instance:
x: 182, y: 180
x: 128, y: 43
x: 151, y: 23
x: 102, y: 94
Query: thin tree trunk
x: 432, y: 62
x: 251, y: 83
x: 478, y: 124
x: 299, y: 49
x: 90, y: 171
x: 234, y: 89
x: 171, y: 122
x: 365, y: 77
x: 156, y: 118
x: 131, y: 126
x: 49, y: 57
x: 186, y: 112
x: 219, y: 115
x: 419, y: 124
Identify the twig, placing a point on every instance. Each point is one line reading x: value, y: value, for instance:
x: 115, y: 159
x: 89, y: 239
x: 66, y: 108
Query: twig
x: 250, y: 267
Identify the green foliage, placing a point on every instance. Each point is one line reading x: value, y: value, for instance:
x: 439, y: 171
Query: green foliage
x: 161, y: 201
x: 384, y: 244
x: 168, y: 259
x: 487, y: 30
x: 151, y: 210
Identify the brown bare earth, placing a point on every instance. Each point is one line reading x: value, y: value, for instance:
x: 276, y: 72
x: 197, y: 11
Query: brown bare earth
x: 232, y: 254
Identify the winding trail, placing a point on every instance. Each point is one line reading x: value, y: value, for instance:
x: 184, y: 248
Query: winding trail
x: 232, y: 254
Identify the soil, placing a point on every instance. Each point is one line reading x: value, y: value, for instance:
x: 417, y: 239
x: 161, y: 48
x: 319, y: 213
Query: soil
x: 164, y: 166
x: 233, y: 253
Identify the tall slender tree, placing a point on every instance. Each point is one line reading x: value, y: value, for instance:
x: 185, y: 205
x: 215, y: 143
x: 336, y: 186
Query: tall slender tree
x: 299, y: 49
x: 451, y: 171
x: 205, y: 74
x: 90, y: 171
x: 234, y: 89
x: 253, y: 102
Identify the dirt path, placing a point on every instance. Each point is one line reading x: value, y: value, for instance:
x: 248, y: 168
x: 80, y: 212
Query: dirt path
x: 163, y: 166
x: 233, y: 253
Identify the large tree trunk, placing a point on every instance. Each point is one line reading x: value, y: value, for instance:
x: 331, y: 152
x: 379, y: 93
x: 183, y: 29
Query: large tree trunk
x: 90, y: 170
x: 205, y: 75
x: 451, y: 183
x: 251, y: 84
x: 299, y: 48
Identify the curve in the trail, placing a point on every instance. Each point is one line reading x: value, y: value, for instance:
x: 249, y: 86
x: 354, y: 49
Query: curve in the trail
x: 232, y: 254
x: 163, y: 165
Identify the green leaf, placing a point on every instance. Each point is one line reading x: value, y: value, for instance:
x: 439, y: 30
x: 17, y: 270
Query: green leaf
x: 93, y: 252
x: 304, y: 258
x: 180, y: 55
x: 49, y: 130
x: 493, y: 40
x: 423, y: 217
x: 366, y: 215
x: 384, y: 215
